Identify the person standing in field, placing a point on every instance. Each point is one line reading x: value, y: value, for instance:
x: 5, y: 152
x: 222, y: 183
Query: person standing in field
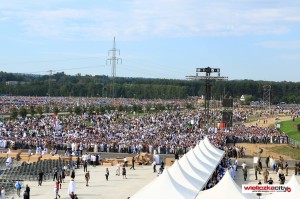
x: 56, y: 189
x: 87, y: 178
x: 124, y: 172
x: 245, y: 173
x: 107, y: 174
x: 132, y: 163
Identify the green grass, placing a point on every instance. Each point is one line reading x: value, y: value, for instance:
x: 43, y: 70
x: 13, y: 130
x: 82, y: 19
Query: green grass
x: 290, y: 127
x: 287, y: 150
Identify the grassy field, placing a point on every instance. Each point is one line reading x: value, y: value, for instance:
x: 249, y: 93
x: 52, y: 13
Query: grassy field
x: 290, y: 128
x: 286, y: 150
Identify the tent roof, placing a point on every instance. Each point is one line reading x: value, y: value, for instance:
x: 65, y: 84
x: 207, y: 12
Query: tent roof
x: 193, y: 169
x: 214, y: 157
x: 187, y: 176
x: 183, y: 177
x: 295, y: 191
x: 204, y: 157
x: 164, y: 187
x: 293, y: 182
x: 198, y: 162
x: 225, y: 189
x: 212, y: 148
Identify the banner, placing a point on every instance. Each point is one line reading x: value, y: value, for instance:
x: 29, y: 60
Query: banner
x: 248, y: 188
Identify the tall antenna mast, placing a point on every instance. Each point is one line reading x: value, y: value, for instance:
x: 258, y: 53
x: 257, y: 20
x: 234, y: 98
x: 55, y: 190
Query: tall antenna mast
x: 114, y: 60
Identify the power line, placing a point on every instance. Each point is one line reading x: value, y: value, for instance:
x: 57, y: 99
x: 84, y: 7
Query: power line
x: 53, y: 60
x: 61, y: 70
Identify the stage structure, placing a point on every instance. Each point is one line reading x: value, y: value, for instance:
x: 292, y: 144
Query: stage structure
x: 208, y: 71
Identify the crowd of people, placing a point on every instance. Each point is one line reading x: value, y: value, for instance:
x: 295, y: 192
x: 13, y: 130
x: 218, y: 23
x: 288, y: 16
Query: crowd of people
x: 218, y: 174
x: 63, y: 103
x: 166, y: 132
x: 173, y: 131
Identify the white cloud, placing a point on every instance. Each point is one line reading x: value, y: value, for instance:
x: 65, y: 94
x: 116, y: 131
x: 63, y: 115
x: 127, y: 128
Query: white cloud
x: 291, y: 57
x: 281, y: 44
x: 163, y: 18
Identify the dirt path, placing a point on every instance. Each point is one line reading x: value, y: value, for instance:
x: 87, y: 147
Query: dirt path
x: 252, y: 149
x: 270, y: 121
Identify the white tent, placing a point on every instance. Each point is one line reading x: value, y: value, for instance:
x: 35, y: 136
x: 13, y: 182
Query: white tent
x: 183, y: 177
x: 295, y: 191
x: 164, y: 187
x: 193, y: 169
x: 186, y: 177
x: 205, y: 157
x: 225, y: 189
x: 212, y: 148
x: 213, y: 156
x: 198, y: 162
x: 293, y: 182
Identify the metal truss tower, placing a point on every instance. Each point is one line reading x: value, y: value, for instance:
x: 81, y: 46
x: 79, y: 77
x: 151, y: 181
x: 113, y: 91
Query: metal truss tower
x: 207, y: 77
x: 114, y: 60
x: 267, y: 96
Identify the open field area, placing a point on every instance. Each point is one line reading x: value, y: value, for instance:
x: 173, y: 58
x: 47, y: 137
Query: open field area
x: 290, y: 128
x: 274, y: 150
x: 270, y: 121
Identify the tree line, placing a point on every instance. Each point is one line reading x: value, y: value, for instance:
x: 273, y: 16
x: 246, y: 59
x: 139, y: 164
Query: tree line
x: 61, y: 84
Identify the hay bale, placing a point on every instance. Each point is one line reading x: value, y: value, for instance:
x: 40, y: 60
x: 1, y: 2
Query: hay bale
x: 170, y: 161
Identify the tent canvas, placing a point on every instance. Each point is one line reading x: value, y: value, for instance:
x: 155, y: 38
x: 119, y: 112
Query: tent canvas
x: 295, y: 191
x: 183, y: 177
x: 204, y: 157
x: 192, y: 169
x: 225, y: 189
x: 215, y: 158
x: 212, y: 148
x: 164, y: 187
x: 198, y: 162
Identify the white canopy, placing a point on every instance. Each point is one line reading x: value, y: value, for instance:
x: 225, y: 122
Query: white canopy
x: 204, y: 157
x: 225, y: 189
x: 214, y: 157
x: 186, y: 177
x: 192, y: 169
x: 295, y: 191
x: 198, y: 162
x: 164, y: 187
x: 212, y: 148
x: 183, y: 177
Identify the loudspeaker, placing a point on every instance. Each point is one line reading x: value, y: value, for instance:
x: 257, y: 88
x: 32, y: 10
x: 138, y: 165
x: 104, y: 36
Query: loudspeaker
x: 227, y: 118
x: 227, y: 102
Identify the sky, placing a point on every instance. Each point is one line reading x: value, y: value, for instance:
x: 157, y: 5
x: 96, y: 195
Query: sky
x: 246, y: 39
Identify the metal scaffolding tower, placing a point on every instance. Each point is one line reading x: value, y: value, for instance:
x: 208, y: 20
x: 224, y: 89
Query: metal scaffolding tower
x: 267, y: 97
x: 207, y: 77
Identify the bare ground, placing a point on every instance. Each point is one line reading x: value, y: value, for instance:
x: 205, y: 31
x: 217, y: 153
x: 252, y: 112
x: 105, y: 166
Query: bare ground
x: 252, y: 149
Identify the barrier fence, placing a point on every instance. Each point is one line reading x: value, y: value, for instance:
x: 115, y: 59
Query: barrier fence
x: 294, y: 142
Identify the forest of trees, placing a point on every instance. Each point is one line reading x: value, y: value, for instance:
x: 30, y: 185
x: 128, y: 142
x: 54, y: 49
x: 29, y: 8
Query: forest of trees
x: 60, y: 84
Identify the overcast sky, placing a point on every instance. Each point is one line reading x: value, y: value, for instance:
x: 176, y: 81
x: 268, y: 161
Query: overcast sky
x: 246, y: 39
